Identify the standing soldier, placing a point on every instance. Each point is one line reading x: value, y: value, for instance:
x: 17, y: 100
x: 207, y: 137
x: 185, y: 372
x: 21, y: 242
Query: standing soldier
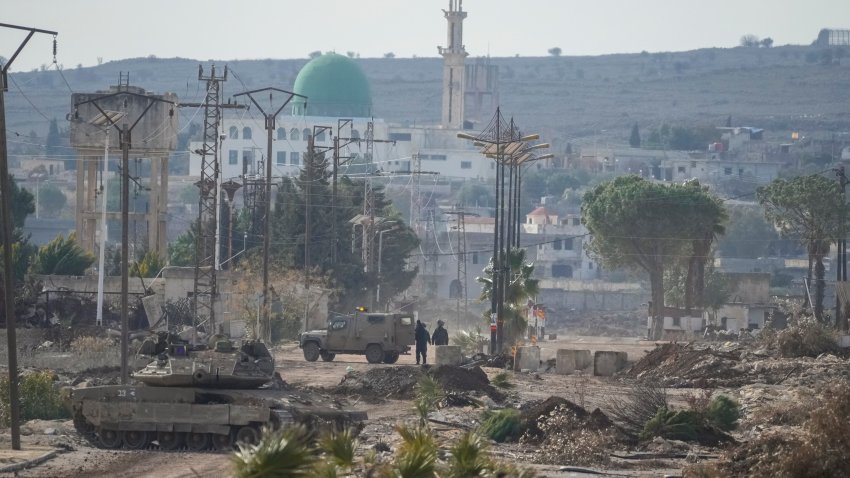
x: 422, y: 340
x: 441, y: 335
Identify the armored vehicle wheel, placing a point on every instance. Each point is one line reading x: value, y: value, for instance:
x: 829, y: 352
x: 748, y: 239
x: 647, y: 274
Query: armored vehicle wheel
x: 221, y: 442
x: 169, y: 440
x: 327, y: 356
x: 248, y: 435
x: 197, y: 441
x: 311, y: 351
x: 110, y: 439
x: 374, y: 353
x: 136, y: 439
x: 390, y: 357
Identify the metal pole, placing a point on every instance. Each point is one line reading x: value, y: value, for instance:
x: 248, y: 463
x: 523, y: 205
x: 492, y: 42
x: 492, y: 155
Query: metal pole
x: 103, y: 231
x: 8, y: 278
x: 494, y: 299
x: 334, y: 245
x: 125, y: 247
x: 270, y: 120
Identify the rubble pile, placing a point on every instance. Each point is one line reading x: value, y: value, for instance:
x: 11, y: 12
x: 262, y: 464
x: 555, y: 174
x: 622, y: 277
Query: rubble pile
x: 710, y: 366
x: 678, y: 365
x: 563, y: 432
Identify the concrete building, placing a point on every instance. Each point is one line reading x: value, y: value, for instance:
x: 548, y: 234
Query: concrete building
x: 559, y: 245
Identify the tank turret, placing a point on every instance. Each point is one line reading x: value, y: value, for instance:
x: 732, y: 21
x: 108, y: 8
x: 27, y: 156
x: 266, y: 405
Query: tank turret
x: 220, y: 364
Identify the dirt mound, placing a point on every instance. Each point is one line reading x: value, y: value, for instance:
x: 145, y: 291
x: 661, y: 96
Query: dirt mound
x: 678, y: 365
x: 459, y: 379
x: 381, y: 383
x: 400, y: 382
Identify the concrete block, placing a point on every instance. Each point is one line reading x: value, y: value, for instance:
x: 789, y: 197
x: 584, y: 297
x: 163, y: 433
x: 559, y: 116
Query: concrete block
x: 447, y: 355
x: 568, y: 361
x: 527, y: 358
x: 607, y: 363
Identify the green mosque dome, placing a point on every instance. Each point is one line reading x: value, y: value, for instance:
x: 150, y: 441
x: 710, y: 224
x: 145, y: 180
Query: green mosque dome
x: 335, y: 86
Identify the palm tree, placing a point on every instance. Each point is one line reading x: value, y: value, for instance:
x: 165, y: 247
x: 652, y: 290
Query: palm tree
x: 521, y: 287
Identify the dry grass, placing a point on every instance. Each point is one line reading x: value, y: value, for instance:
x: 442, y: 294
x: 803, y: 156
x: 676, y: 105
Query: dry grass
x: 85, y: 353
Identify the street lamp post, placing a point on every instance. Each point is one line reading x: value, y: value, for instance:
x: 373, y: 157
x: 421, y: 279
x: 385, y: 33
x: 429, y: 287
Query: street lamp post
x: 500, y: 140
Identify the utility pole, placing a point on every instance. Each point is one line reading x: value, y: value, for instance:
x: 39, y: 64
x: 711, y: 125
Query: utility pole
x: 6, y: 209
x: 309, y: 165
x: 270, y: 118
x: 203, y: 298
x: 462, y: 295
x: 841, y: 262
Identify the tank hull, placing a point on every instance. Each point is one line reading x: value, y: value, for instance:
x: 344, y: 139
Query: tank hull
x: 196, y: 418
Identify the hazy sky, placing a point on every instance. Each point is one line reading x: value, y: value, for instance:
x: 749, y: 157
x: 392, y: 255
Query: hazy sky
x: 250, y: 29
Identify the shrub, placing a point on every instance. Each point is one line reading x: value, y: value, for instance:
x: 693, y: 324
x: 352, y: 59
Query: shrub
x: 280, y: 454
x: 285, y: 327
x: 500, y: 425
x: 88, y: 345
x: 673, y: 425
x: 723, y: 412
x: 638, y: 405
x: 570, y: 439
x: 502, y: 381
x: 39, y: 399
x: 805, y: 338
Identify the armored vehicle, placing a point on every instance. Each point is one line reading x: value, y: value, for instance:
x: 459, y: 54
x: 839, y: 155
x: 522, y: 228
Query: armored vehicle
x: 381, y: 337
x: 197, y: 398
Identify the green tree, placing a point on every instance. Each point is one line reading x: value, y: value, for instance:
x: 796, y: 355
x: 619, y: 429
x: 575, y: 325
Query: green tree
x: 555, y: 51
x: 62, y: 256
x: 475, y: 194
x: 810, y: 208
x: 634, y: 139
x: 347, y: 272
x: 181, y: 252
x: 643, y: 225
x: 53, y: 141
x: 148, y: 266
x: 521, y: 287
x: 748, y: 235
x: 23, y: 203
x: 51, y: 200
x: 708, y: 220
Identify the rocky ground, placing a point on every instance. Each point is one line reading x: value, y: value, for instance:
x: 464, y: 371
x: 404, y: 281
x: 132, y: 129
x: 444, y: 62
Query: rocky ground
x: 572, y: 429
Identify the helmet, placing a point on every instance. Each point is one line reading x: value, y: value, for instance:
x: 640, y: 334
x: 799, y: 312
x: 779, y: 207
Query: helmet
x: 440, y: 322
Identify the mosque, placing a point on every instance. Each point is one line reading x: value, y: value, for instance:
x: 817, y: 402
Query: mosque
x: 337, y: 89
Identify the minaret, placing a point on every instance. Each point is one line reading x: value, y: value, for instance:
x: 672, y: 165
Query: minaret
x: 453, y: 67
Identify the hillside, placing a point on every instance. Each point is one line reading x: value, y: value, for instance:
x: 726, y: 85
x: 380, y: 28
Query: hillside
x: 572, y: 99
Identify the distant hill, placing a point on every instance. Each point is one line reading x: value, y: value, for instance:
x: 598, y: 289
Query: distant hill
x: 564, y: 98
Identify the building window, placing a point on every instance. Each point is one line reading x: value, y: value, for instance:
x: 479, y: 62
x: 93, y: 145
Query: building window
x: 399, y: 137
x: 306, y: 134
x: 281, y: 133
x: 568, y: 244
x: 233, y: 157
x: 576, y: 221
x: 355, y: 134
x: 247, y: 162
x: 320, y: 136
x: 693, y: 164
x: 281, y: 158
x: 246, y: 133
x: 740, y: 172
x: 435, y: 157
x: 727, y: 171
x: 681, y: 169
x: 294, y: 134
x: 295, y: 158
x: 234, y: 133
x: 466, y: 165
x: 562, y: 270
x: 475, y: 258
x: 590, y: 265
x: 677, y: 321
x: 557, y: 245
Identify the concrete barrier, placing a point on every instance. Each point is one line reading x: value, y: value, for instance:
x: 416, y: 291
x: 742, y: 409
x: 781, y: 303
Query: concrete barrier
x: 527, y: 358
x: 568, y: 361
x: 447, y: 355
x: 607, y: 363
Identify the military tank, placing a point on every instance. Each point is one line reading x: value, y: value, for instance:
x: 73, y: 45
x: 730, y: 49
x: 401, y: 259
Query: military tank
x: 197, y: 398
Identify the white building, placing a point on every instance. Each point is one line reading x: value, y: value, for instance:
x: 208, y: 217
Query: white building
x: 559, y: 245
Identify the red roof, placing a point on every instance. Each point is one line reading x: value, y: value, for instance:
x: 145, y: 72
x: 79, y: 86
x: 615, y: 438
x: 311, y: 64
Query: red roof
x: 540, y: 211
